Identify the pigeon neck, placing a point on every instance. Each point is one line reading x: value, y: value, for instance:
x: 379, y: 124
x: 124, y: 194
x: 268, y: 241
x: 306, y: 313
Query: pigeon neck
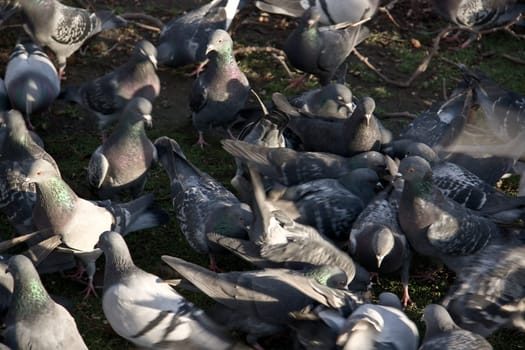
x: 118, y: 264
x: 54, y: 192
x: 29, y: 295
x: 225, y: 57
x: 15, y: 143
x: 420, y: 187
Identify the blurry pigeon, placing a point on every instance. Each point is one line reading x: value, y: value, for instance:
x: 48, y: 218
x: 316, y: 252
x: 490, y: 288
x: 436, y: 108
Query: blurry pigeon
x: 123, y: 161
x: 330, y: 205
x: 332, y: 100
x: 143, y: 309
x: 443, y: 334
x: 183, y: 39
x: 321, y: 50
x: 4, y: 99
x: 202, y: 204
x: 6, y: 288
x: 356, y: 134
x: 80, y: 222
x: 64, y: 29
x: 221, y: 91
x: 376, y: 239
x: 107, y: 95
x: 34, y: 320
x: 260, y: 294
x: 331, y: 11
x: 31, y: 79
x: 290, y: 167
x: 18, y: 152
x: 382, y: 326
x: 434, y: 224
x: 489, y: 292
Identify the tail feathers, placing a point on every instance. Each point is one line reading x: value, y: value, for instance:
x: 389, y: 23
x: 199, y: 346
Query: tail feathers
x: 108, y: 20
x: 152, y: 217
x: 281, y: 7
x: 247, y: 152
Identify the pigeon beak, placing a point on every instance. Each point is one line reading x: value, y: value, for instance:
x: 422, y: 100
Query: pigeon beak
x: 27, y: 179
x: 209, y: 49
x: 368, y: 117
x: 379, y: 187
x: 153, y: 60
x: 148, y: 120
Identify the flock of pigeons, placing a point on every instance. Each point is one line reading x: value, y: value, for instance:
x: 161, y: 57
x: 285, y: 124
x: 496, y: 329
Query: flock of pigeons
x: 325, y: 196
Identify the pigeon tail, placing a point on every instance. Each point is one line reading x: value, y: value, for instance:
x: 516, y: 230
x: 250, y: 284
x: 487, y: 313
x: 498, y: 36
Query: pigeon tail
x: 152, y: 217
x: 108, y: 20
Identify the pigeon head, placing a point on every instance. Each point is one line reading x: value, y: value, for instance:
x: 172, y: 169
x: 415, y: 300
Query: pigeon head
x: 40, y: 171
x: 365, y: 108
x: 390, y: 299
x: 437, y: 320
x: 328, y: 275
x: 138, y: 109
x: 415, y: 168
x: 382, y: 243
x: 335, y: 94
x: 27, y: 282
x: 112, y: 243
x: 406, y: 148
x: 311, y: 17
x: 220, y: 43
x: 144, y: 50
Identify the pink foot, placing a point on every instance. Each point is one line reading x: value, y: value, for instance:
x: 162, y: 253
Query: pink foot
x: 197, y: 70
x: 200, y: 141
x: 90, y: 289
x: 406, y: 297
x: 296, y: 83
x: 213, y: 265
x: 375, y: 275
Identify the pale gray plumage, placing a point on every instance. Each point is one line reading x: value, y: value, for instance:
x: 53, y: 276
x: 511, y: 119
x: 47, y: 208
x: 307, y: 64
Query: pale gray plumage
x: 107, y: 96
x: 202, y: 204
x: 122, y: 162
x: 146, y: 311
x: 31, y: 79
x: 221, y: 91
x: 34, y: 320
x: 332, y: 101
x: 62, y: 28
x: 443, y: 334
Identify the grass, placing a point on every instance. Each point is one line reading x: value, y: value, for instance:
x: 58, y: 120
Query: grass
x: 71, y: 137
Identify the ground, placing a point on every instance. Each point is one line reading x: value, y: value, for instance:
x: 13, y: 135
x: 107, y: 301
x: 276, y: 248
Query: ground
x: 71, y: 136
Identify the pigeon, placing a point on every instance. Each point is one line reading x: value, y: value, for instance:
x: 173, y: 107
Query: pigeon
x: 183, y: 39
x: 330, y: 205
x: 373, y: 326
x: 123, y: 161
x: 6, y: 288
x: 145, y: 310
x: 256, y: 294
x: 17, y: 153
x: 221, y: 91
x: 331, y: 11
x: 321, y: 50
x: 34, y: 320
x: 376, y: 240
x: 4, y: 98
x: 435, y: 225
x: 31, y: 79
x: 290, y: 167
x: 80, y: 222
x: 64, y: 29
x: 489, y: 292
x: 356, y: 134
x: 442, y: 333
x: 106, y: 96
x: 202, y: 204
x: 332, y: 101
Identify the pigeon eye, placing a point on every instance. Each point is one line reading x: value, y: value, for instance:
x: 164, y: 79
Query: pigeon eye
x: 411, y: 170
x: 39, y: 173
x: 340, y: 98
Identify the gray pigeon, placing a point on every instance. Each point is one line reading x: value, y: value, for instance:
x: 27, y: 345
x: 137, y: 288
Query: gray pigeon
x: 31, y: 79
x: 18, y: 152
x: 183, y: 39
x: 123, y: 161
x: 489, y: 291
x: 64, y: 29
x: 106, y: 96
x: 80, y: 222
x: 435, y: 225
x: 331, y: 11
x: 34, y: 320
x: 256, y: 294
x: 321, y: 50
x: 145, y: 310
x: 382, y: 326
x: 356, y: 134
x: 376, y: 239
x: 6, y: 288
x: 221, y: 91
x: 290, y: 167
x: 443, y: 334
x: 4, y: 99
x: 202, y: 204
x: 332, y: 100
x: 330, y: 205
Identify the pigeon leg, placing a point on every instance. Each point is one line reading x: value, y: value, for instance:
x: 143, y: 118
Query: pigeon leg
x: 77, y: 275
x: 213, y: 264
x: 90, y: 289
x: 296, y: 83
x: 404, y: 281
x: 376, y: 276
x: 62, y: 73
x: 198, y: 70
x: 406, y: 296
x: 200, y: 141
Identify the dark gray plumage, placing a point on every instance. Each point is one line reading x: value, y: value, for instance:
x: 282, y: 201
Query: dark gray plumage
x: 80, y: 222
x: 183, y: 39
x: 202, y: 204
x: 106, y: 96
x: 332, y: 101
x: 6, y: 288
x: 290, y: 167
x: 443, y: 334
x: 436, y: 225
x: 143, y: 309
x: 489, y: 291
x: 321, y: 50
x: 31, y: 79
x: 4, y: 99
x: 122, y: 162
x: 222, y: 90
x: 34, y: 320
x: 356, y: 134
x: 64, y: 29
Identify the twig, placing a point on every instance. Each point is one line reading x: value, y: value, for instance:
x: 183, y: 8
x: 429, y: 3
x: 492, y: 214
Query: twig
x: 512, y: 58
x: 283, y: 63
x: 139, y: 15
x: 406, y: 115
x: 276, y: 53
x: 419, y: 70
x: 386, y: 10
